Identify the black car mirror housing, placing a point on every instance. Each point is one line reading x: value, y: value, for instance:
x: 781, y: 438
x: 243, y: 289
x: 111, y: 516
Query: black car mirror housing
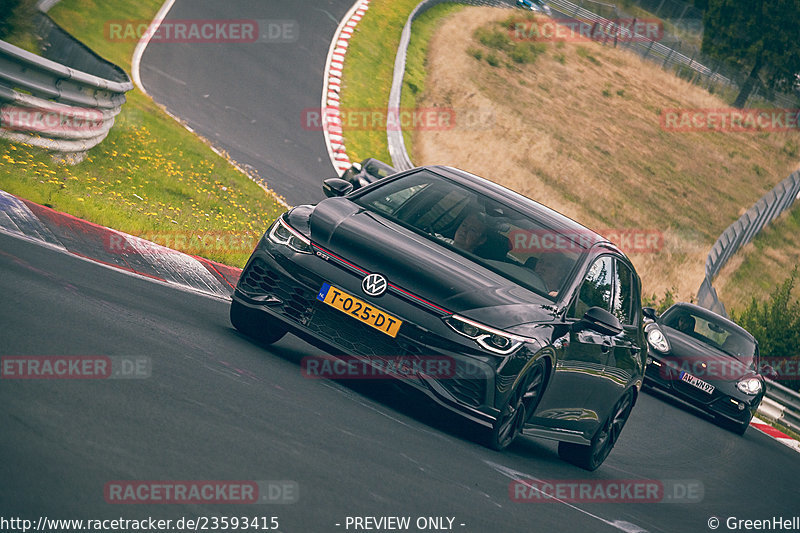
x: 336, y: 187
x: 650, y: 313
x: 601, y: 321
x: 768, y: 372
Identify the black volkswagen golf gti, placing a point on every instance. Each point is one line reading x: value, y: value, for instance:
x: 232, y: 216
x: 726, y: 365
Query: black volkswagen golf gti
x: 540, y: 316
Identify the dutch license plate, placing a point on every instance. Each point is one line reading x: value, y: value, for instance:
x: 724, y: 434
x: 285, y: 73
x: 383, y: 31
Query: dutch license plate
x: 361, y: 311
x: 697, y: 382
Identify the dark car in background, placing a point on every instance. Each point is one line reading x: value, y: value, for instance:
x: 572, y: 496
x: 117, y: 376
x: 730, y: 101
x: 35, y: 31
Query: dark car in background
x: 368, y: 171
x: 540, y: 316
x: 537, y: 6
x: 706, y: 360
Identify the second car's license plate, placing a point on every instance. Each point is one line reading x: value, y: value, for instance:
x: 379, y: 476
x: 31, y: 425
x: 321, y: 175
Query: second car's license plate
x: 359, y: 310
x: 697, y: 382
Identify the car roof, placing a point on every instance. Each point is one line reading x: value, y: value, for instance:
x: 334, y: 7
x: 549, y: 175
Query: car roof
x: 711, y: 316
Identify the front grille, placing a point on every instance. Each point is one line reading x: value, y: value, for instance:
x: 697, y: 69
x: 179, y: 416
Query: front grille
x: 296, y: 301
x: 300, y: 304
x: 469, y: 391
x: 353, y: 336
x: 725, y: 405
x: 258, y: 279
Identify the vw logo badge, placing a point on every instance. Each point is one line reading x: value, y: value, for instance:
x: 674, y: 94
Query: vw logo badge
x: 374, y: 285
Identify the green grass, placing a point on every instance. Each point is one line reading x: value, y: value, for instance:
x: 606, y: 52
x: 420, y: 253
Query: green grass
x: 781, y: 427
x: 150, y: 175
x: 17, y: 26
x: 764, y: 263
x: 369, y: 65
x: 416, y: 72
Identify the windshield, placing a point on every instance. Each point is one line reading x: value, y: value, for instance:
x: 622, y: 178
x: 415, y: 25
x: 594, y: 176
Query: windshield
x: 478, y: 227
x: 710, y: 331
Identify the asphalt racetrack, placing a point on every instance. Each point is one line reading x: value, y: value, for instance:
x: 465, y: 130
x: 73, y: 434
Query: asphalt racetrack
x: 217, y: 406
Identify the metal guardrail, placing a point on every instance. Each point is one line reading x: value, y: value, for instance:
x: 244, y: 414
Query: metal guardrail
x: 668, y: 51
x: 397, y: 146
x: 50, y: 102
x: 781, y: 405
x: 769, y: 207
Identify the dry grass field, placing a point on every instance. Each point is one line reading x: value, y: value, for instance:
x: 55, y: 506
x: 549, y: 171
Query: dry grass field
x: 577, y: 126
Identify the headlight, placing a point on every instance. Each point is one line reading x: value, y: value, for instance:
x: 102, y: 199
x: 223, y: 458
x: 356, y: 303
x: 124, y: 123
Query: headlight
x: 489, y: 338
x: 285, y: 235
x: 656, y: 339
x: 749, y: 385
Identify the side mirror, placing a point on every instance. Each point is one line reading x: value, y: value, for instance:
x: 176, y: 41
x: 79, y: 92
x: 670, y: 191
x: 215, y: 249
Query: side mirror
x: 650, y: 313
x: 336, y: 187
x: 768, y: 372
x: 599, y: 320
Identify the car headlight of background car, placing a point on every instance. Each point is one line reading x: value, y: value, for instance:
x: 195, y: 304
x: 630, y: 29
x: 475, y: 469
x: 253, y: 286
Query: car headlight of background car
x: 656, y: 338
x: 284, y: 235
x: 749, y: 385
x: 491, y: 339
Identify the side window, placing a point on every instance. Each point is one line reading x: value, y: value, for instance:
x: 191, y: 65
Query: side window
x: 596, y: 288
x: 624, y: 294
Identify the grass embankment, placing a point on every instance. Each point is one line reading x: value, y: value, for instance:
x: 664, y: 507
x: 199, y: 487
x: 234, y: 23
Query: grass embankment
x: 577, y: 126
x: 150, y: 176
x: 369, y: 65
x: 764, y: 263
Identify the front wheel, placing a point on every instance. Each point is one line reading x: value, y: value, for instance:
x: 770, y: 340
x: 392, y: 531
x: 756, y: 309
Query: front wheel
x: 592, y: 456
x: 257, y: 325
x: 520, y: 405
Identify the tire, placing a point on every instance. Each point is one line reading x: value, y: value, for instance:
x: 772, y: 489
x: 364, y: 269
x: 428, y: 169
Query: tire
x: 257, y: 325
x: 520, y: 405
x: 590, y: 457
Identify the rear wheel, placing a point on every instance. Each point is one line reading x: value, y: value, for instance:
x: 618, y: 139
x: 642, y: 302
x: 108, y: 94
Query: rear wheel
x: 257, y: 325
x: 592, y: 456
x: 520, y: 405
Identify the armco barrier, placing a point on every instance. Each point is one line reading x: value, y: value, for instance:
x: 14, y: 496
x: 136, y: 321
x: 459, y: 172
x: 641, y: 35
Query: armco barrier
x: 769, y: 207
x: 781, y: 405
x: 397, y: 146
x: 53, y: 101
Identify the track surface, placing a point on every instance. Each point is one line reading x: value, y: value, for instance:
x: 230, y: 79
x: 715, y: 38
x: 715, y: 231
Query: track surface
x: 219, y: 407
x: 249, y: 99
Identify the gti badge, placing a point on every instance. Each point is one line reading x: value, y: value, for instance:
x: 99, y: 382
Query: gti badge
x: 374, y: 285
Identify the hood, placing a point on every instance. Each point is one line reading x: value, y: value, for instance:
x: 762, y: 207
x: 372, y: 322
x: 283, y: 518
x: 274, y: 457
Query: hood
x: 704, y: 360
x: 422, y: 266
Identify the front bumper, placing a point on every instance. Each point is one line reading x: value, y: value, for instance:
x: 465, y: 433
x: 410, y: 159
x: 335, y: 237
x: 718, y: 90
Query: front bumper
x: 737, y: 407
x: 285, y: 286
